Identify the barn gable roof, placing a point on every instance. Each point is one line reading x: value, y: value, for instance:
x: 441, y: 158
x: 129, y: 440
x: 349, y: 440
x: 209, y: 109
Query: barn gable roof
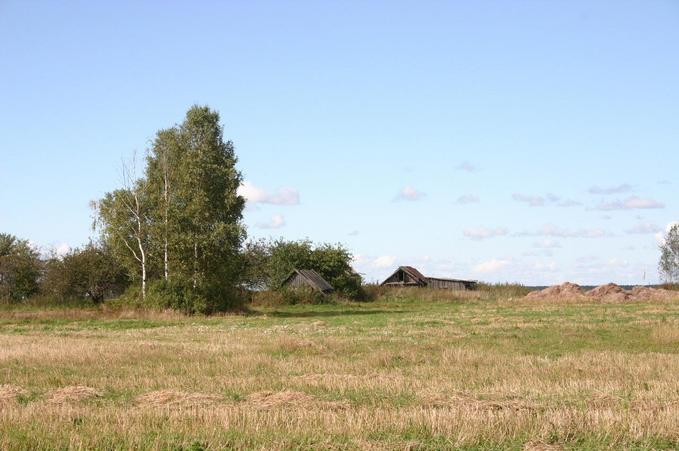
x: 423, y: 280
x: 312, y: 278
x: 412, y: 272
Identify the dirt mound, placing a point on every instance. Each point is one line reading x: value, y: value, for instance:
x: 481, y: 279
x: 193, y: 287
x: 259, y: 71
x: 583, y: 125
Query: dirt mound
x: 10, y: 393
x: 608, y: 292
x: 176, y: 398
x: 564, y: 291
x: 652, y: 294
x: 75, y: 393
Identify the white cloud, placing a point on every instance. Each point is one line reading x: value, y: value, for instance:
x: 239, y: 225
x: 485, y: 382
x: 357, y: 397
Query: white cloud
x: 533, y: 201
x: 624, y: 188
x: 631, y: 203
x: 62, y: 249
x: 660, y: 236
x: 409, y: 193
x: 491, y: 266
x: 384, y: 261
x: 643, y: 228
x: 276, y: 222
x: 354, y: 233
x: 467, y: 199
x: 255, y: 195
x: 482, y: 233
x: 467, y: 167
x: 550, y: 230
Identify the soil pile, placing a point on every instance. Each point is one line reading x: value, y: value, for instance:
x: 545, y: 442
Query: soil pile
x: 608, y: 292
x: 564, y: 291
x: 652, y: 294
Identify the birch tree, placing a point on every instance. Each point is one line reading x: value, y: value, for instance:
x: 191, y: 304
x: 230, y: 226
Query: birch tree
x: 123, y: 215
x: 669, y: 255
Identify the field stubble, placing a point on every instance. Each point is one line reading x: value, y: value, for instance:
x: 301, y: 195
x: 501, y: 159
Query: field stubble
x: 402, y: 373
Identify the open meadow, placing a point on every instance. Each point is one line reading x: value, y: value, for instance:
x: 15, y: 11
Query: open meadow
x: 404, y: 372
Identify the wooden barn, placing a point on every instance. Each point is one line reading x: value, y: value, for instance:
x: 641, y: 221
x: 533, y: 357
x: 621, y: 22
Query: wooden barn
x: 307, y: 278
x: 407, y: 276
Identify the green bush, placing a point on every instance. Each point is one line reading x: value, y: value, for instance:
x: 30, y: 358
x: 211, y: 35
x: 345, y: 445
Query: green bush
x: 88, y: 273
x: 20, y: 268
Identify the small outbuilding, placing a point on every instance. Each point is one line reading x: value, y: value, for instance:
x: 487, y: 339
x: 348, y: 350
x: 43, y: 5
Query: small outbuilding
x: 407, y: 276
x: 307, y: 278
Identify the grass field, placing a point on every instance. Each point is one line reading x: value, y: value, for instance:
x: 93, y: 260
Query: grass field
x: 402, y: 373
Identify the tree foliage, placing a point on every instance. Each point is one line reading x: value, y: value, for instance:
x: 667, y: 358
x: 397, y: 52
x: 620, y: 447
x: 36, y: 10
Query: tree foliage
x: 92, y: 272
x: 669, y: 255
x: 20, y: 268
x: 189, y: 227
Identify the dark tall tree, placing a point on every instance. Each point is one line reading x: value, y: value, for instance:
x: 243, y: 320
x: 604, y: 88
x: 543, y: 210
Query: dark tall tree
x: 20, y: 268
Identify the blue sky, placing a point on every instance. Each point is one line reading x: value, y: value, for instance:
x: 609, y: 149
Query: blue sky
x: 525, y: 141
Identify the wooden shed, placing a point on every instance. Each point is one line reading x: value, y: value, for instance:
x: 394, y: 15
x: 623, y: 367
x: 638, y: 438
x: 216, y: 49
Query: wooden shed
x: 307, y: 278
x: 407, y: 276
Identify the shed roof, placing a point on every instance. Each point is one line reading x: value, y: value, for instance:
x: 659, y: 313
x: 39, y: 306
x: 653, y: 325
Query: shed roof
x: 412, y: 272
x: 314, y: 279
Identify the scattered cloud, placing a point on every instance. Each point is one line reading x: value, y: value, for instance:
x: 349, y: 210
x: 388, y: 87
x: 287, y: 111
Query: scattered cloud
x: 256, y: 195
x: 631, y: 203
x: 354, y: 233
x: 384, y: 261
x: 467, y: 167
x: 468, y: 199
x: 276, y: 222
x: 551, y: 230
x: 410, y: 194
x: 482, y: 233
x: 618, y: 189
x: 490, y: 266
x: 566, y: 203
x: 547, y: 243
x: 664, y: 182
x: 533, y: 201
x: 643, y: 228
x: 541, y: 201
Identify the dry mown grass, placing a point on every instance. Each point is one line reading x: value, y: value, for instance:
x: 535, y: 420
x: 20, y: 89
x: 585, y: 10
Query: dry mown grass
x: 432, y: 375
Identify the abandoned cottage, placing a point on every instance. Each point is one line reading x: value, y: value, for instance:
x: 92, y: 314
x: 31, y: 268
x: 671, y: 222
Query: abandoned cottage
x: 407, y: 276
x: 309, y: 279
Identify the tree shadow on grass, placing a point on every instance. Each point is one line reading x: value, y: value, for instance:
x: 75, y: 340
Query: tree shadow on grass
x: 320, y: 314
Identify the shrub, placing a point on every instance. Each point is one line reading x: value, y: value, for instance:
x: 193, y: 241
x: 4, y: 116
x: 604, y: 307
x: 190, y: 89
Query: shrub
x: 504, y: 290
x: 20, y: 268
x: 88, y: 273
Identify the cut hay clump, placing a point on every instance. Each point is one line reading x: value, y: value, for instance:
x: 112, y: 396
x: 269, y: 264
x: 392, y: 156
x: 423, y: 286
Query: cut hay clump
x: 10, y: 393
x: 266, y: 400
x: 72, y: 394
x: 162, y: 398
x: 271, y: 399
